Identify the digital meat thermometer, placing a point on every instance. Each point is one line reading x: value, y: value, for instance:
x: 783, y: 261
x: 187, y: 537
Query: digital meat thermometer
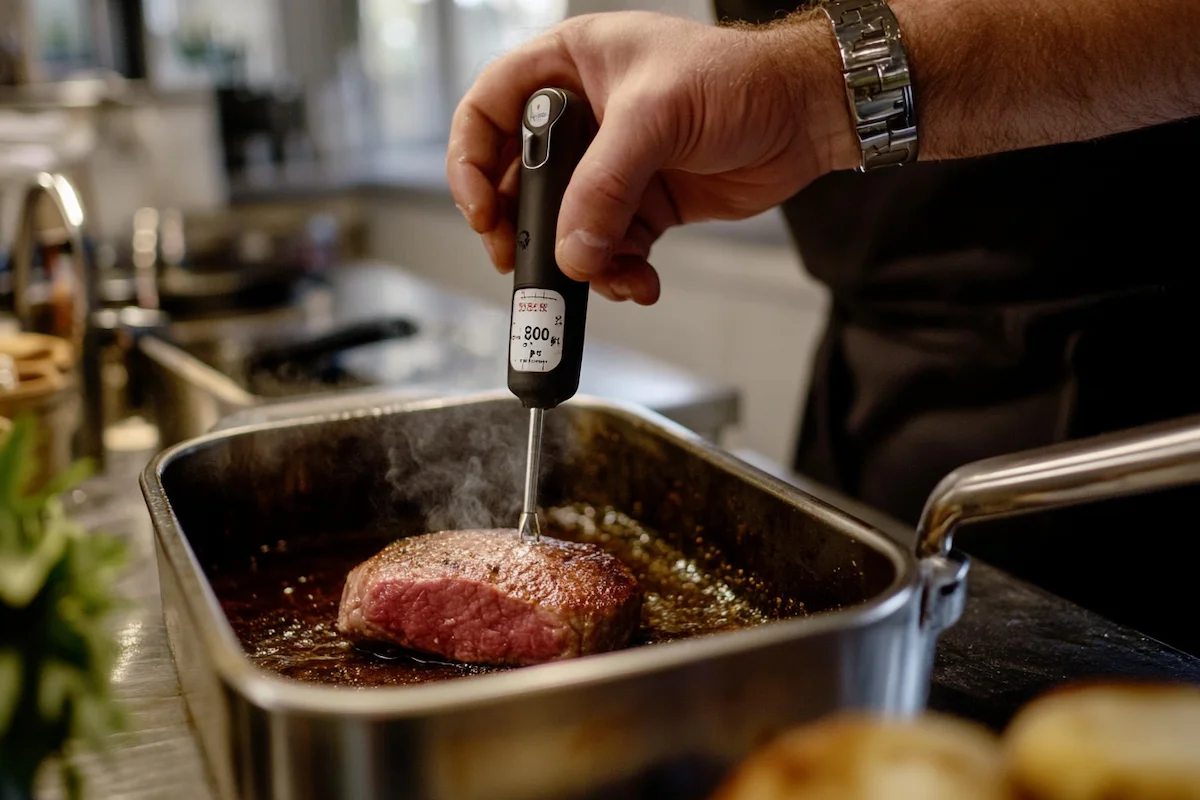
x: 549, y: 310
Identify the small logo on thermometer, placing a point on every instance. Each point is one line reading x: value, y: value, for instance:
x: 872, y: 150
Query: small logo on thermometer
x: 539, y: 111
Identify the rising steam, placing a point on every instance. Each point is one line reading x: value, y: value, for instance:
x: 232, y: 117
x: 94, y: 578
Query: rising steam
x: 465, y: 467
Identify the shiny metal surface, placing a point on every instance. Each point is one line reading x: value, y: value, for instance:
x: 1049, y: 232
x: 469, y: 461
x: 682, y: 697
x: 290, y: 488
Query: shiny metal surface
x: 189, y: 397
x: 1143, y: 459
x: 878, y: 81
x: 528, y: 526
x: 83, y: 335
x: 639, y: 722
x: 144, y: 248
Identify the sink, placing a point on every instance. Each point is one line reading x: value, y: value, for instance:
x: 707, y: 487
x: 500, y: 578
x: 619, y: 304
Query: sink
x: 303, y: 365
x: 376, y: 327
x: 195, y: 382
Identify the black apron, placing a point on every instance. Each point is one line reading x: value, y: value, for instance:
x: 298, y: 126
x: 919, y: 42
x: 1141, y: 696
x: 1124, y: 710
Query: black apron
x: 985, y: 306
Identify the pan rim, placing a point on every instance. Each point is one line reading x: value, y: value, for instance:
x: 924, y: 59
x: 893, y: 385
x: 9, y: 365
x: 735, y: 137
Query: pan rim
x: 270, y: 691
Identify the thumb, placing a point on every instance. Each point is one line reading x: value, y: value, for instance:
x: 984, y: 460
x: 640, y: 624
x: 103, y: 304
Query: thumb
x: 606, y: 190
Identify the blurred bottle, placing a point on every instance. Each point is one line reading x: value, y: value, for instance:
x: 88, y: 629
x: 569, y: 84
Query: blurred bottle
x: 16, y: 43
x: 12, y: 61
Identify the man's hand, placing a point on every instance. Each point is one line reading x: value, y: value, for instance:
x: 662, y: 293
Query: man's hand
x: 696, y: 122
x: 700, y: 122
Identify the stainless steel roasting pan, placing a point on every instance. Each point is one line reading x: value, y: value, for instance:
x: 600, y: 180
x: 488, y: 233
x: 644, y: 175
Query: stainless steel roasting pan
x: 662, y: 720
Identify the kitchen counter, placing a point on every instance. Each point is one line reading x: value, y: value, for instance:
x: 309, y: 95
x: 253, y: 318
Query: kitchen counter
x: 1012, y: 643
x: 1015, y: 641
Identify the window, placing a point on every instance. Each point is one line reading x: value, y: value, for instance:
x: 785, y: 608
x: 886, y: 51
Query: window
x: 486, y: 28
x: 399, y: 42
x: 64, y: 36
x: 422, y: 55
x: 396, y: 67
x: 201, y: 42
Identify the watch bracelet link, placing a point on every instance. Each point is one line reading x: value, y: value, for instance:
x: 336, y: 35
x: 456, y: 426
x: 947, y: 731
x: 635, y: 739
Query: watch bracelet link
x: 878, y: 81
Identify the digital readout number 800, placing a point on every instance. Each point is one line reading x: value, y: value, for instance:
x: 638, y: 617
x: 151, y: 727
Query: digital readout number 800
x: 537, y: 334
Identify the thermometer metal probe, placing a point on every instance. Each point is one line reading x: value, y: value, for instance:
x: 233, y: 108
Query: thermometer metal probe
x: 549, y: 310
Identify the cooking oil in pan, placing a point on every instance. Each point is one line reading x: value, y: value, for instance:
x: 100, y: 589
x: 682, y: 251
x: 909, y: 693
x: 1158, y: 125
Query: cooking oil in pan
x: 681, y: 598
x: 283, y: 609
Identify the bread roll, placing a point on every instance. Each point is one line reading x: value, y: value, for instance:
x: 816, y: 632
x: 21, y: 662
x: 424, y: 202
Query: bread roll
x: 1108, y: 742
x: 860, y: 758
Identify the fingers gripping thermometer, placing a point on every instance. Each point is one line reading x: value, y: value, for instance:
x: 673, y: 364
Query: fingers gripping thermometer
x: 549, y: 310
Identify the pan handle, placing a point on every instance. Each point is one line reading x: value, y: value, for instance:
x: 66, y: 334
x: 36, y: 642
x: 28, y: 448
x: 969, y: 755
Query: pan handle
x: 1143, y: 459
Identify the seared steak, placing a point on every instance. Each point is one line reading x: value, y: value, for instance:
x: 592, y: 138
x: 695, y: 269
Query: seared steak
x: 486, y: 597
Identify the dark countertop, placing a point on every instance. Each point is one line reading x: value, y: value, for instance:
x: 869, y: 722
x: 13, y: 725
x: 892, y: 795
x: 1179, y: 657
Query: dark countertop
x: 1015, y: 641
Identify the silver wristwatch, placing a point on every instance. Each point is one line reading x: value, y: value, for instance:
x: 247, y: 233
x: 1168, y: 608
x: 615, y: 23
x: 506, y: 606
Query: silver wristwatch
x: 878, y: 82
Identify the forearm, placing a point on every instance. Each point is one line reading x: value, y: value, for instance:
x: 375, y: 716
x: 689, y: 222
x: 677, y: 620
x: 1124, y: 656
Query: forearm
x: 996, y: 75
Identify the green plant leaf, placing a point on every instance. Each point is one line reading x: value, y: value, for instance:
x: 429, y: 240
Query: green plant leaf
x: 16, y: 462
x: 70, y: 477
x: 56, y: 593
x: 10, y: 685
x: 57, y: 682
x: 22, y: 577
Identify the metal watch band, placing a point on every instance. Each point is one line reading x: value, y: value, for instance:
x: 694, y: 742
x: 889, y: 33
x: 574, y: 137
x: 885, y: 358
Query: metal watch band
x: 878, y: 83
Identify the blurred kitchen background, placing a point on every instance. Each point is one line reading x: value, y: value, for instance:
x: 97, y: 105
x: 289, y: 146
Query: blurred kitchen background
x: 228, y: 152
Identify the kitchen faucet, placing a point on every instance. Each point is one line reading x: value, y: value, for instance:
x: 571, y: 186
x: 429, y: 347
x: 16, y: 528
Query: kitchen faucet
x: 84, y: 334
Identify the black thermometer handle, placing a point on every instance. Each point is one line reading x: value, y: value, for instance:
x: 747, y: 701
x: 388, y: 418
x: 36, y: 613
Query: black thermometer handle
x: 549, y: 310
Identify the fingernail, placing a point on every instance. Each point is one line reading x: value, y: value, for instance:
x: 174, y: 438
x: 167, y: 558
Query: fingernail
x: 584, y: 252
x: 620, y: 288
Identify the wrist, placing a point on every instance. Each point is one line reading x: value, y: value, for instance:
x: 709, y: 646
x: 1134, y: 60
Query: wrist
x: 807, y: 57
